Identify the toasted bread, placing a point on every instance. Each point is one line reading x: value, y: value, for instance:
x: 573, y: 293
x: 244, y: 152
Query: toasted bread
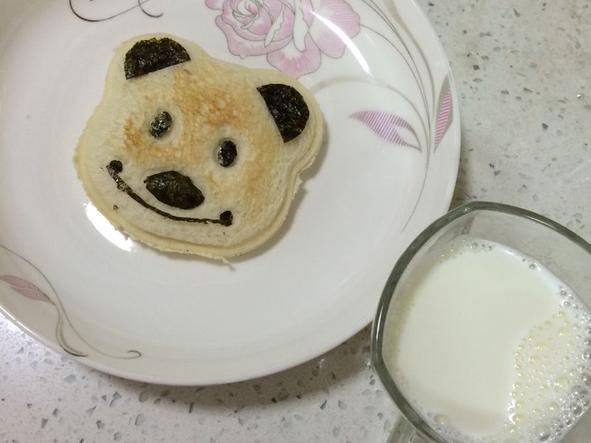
x: 191, y: 154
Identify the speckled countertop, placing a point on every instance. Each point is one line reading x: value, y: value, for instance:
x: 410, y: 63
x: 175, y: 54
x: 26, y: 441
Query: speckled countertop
x: 523, y: 72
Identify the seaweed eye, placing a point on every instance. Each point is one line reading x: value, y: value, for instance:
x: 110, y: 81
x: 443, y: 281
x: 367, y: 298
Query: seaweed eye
x: 160, y: 124
x: 226, y: 153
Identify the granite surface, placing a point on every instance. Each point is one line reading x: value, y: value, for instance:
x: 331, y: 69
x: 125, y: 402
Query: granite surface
x: 523, y: 72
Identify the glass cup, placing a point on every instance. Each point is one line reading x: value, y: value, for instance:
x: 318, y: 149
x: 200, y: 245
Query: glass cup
x: 560, y: 250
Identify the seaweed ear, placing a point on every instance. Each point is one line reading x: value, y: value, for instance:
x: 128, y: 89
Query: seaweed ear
x: 287, y: 107
x: 152, y: 55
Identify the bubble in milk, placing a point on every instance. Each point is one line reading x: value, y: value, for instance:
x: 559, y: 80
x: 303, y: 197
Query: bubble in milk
x: 577, y: 410
x: 550, y: 358
x: 441, y: 420
x: 579, y: 391
x: 543, y: 433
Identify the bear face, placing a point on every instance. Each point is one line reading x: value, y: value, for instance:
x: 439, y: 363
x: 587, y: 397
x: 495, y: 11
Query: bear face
x: 190, y: 154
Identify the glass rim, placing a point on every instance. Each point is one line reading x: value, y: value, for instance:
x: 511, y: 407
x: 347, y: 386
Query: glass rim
x: 406, y: 409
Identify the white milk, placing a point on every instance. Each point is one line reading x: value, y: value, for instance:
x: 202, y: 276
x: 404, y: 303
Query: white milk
x: 491, y: 347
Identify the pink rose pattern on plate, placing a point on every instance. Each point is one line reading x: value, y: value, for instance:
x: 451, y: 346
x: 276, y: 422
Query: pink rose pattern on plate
x: 292, y: 34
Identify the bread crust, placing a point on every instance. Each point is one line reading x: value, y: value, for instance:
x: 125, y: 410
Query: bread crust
x: 210, y: 99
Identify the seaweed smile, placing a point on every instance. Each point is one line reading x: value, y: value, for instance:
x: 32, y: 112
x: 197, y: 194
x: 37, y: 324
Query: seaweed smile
x: 115, y: 167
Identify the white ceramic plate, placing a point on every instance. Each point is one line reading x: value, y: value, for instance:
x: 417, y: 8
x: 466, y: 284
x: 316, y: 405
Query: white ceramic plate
x: 387, y: 169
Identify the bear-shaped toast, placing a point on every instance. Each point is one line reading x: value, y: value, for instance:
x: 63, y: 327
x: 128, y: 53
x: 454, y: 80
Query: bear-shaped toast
x: 190, y: 154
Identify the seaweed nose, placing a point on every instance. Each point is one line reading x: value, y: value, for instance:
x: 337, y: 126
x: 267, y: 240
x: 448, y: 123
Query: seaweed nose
x: 174, y: 189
